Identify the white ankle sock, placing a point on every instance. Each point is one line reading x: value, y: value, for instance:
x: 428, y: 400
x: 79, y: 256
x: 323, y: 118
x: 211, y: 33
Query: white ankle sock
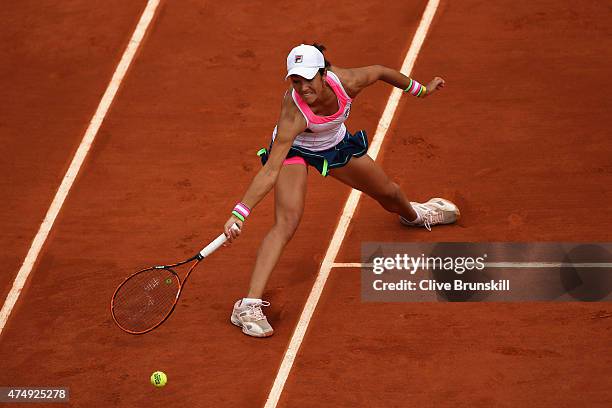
x: 249, y: 301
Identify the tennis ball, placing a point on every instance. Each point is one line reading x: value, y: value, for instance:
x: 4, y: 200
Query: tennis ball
x: 159, y: 379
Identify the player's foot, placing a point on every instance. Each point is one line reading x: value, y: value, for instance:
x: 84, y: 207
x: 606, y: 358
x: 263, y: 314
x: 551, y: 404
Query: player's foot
x: 251, y: 318
x: 435, y: 211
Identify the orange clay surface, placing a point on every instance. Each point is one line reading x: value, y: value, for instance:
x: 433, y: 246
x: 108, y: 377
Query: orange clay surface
x: 519, y: 139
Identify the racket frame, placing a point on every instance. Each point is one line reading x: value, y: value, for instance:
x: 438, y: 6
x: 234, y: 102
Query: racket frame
x: 206, y: 251
x: 168, y: 268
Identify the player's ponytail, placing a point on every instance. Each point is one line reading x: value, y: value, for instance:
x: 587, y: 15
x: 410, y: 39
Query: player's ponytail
x: 322, y: 48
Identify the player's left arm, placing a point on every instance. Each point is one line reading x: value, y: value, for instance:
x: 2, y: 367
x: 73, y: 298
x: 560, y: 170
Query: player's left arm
x: 357, y: 79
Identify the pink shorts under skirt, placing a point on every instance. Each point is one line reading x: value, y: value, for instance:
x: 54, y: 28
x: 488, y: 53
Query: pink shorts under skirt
x: 294, y: 160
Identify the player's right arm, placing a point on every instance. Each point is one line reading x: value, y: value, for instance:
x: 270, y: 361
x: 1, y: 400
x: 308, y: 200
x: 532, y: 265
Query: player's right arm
x: 290, y: 124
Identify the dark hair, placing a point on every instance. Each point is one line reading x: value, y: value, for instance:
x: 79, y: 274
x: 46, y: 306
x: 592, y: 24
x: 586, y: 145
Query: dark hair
x: 322, y: 48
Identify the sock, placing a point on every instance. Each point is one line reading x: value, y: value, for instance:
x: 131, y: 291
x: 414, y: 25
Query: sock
x: 249, y: 301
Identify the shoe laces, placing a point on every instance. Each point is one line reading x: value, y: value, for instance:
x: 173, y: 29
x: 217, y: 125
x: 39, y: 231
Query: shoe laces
x: 254, y: 310
x: 432, y: 217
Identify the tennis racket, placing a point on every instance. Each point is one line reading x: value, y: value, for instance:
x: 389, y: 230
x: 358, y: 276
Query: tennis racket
x: 145, y: 299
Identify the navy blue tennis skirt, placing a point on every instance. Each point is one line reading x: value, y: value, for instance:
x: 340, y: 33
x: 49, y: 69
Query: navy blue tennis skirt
x: 350, y: 146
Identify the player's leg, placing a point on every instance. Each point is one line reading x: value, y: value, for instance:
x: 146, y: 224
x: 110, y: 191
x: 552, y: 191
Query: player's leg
x: 289, y: 196
x: 366, y: 175
x: 363, y: 174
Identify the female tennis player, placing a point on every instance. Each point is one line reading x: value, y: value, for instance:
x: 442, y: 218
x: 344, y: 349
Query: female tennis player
x: 311, y: 132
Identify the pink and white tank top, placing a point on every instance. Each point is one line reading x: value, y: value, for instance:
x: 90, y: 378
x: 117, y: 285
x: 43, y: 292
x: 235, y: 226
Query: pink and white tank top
x: 323, y: 132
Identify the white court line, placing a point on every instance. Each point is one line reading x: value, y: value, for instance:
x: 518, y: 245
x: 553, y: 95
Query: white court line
x: 547, y: 265
x: 347, y: 214
x: 77, y: 161
x: 508, y: 265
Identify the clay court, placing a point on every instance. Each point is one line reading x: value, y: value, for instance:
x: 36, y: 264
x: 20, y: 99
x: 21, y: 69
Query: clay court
x: 519, y: 138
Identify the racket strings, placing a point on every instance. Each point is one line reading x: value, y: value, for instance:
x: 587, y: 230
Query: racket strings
x: 145, y: 299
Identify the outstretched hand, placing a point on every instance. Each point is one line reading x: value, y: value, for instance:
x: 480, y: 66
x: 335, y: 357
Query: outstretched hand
x: 435, y: 85
x: 232, y: 233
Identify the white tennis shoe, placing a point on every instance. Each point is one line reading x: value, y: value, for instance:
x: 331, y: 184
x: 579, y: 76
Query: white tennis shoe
x: 433, y: 212
x: 251, y: 318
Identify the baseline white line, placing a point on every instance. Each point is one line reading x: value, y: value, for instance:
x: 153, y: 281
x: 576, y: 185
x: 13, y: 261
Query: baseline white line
x: 352, y: 265
x: 77, y: 161
x: 508, y: 265
x: 347, y: 214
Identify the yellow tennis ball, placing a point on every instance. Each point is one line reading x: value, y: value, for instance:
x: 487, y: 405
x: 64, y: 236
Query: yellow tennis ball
x: 159, y: 379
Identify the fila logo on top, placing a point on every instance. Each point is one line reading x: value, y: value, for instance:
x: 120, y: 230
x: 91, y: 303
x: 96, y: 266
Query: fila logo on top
x: 298, y: 58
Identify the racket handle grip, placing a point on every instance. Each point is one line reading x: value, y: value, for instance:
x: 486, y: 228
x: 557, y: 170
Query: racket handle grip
x: 213, y: 246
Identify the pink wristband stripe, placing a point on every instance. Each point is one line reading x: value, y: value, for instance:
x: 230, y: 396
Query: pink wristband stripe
x: 242, y: 209
x: 415, y: 87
